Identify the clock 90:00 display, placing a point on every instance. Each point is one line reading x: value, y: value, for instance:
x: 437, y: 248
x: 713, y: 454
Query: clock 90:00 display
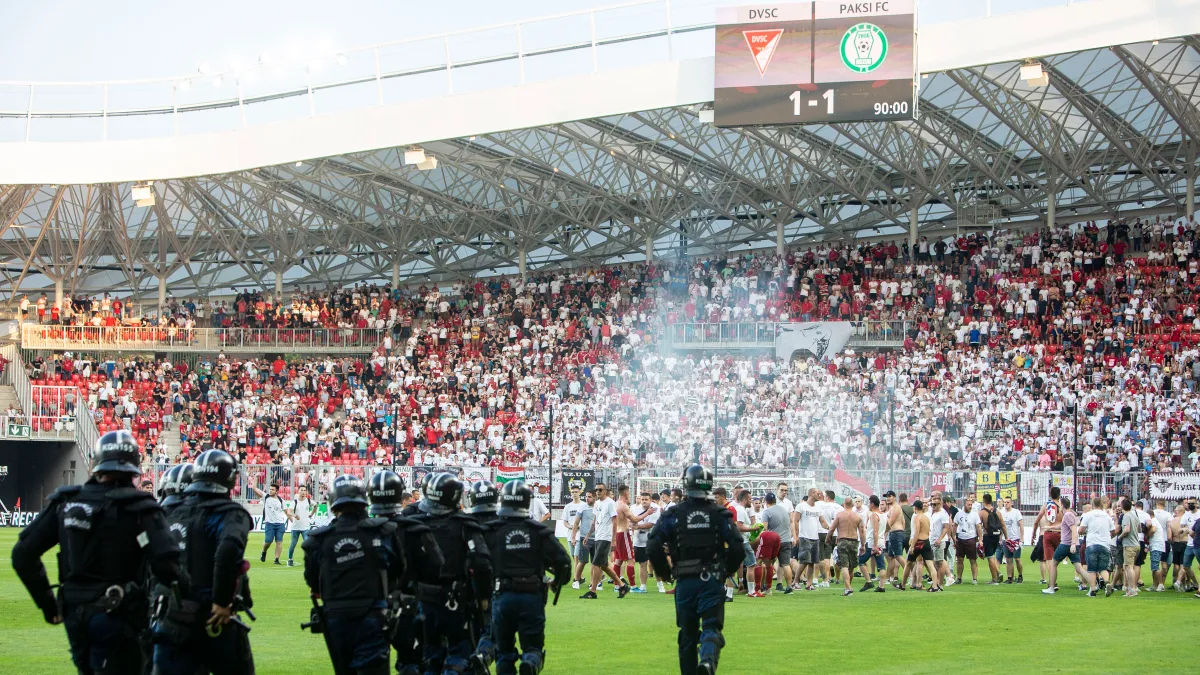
x: 898, y: 108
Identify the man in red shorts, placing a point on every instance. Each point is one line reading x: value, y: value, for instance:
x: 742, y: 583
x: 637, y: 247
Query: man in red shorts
x: 1049, y: 520
x: 766, y: 551
x: 623, y: 555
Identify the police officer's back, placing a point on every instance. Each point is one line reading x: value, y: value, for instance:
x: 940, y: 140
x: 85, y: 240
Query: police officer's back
x: 423, y: 562
x: 107, y: 531
x: 351, y: 565
x: 524, y: 550
x: 465, y: 579
x: 197, y: 628
x: 480, y: 501
x: 704, y: 548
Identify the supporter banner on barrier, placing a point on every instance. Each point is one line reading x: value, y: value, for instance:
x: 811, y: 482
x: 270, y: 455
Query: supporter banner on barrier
x: 1065, y: 482
x: 1174, y: 485
x: 419, y: 473
x: 474, y: 474
x: 851, y: 486
x: 538, y: 480
x: 17, y: 518
x: 823, y: 339
x: 1000, y: 484
x: 583, y: 479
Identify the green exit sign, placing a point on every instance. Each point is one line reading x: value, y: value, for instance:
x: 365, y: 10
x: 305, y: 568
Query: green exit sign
x: 19, y: 430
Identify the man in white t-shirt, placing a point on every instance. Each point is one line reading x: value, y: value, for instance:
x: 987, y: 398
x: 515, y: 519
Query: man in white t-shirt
x: 1010, y: 550
x: 1097, y: 526
x: 967, y: 533
x: 538, y: 511
x: 1158, y: 544
x: 606, y: 512
x: 300, y: 513
x: 829, y: 510
x: 563, y: 528
x: 274, y: 521
x: 645, y: 515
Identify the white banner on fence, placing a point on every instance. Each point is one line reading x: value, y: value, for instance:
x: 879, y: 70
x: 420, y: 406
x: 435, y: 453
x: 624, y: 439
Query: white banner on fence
x: 1174, y: 485
x: 822, y: 339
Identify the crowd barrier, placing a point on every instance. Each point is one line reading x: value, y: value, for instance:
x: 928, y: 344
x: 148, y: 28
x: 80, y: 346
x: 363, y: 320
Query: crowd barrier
x: 170, y: 339
x: 762, y: 334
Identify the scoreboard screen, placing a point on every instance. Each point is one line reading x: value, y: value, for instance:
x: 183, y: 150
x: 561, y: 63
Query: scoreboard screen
x: 815, y: 62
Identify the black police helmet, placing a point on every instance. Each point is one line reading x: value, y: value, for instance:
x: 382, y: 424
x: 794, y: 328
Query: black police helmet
x: 441, y: 494
x: 348, y: 490
x: 481, y: 497
x: 385, y: 490
x: 515, y: 498
x: 697, y: 481
x: 117, y: 451
x: 175, y: 480
x: 214, y: 473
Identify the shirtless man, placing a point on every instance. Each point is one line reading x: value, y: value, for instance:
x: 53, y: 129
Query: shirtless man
x: 847, y: 526
x: 622, y: 540
x: 895, y: 536
x: 1047, y: 522
x: 920, y: 548
x: 1178, y: 543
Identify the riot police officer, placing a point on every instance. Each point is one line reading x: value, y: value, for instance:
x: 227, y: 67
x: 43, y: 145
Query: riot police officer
x: 174, y: 482
x: 524, y: 549
x: 423, y: 560
x: 704, y: 548
x: 351, y: 565
x: 107, y: 531
x: 480, y: 502
x: 197, y: 627
x: 465, y: 578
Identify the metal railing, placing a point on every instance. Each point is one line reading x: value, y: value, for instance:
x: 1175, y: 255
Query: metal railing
x: 165, y: 339
x: 614, y: 37
x: 761, y: 335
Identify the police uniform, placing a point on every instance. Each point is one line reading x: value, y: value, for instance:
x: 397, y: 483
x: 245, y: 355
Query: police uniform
x: 107, y: 531
x: 352, y: 565
x: 448, y: 604
x: 423, y: 559
x: 480, y: 501
x: 704, y: 548
x: 212, y: 530
x: 170, y: 494
x: 522, y: 551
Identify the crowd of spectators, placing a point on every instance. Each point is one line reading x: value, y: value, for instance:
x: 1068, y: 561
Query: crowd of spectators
x: 1025, y: 349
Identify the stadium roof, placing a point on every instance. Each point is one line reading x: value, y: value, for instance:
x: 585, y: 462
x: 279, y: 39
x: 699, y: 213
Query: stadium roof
x: 1109, y: 134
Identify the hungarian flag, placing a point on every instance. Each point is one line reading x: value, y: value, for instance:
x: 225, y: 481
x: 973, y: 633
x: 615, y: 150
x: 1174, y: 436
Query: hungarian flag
x: 505, y: 474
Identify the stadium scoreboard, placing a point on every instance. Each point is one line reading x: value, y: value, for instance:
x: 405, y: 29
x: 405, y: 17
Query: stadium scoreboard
x: 815, y: 62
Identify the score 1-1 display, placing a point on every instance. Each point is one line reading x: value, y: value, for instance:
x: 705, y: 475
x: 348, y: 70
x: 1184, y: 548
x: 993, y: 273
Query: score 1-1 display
x: 814, y: 62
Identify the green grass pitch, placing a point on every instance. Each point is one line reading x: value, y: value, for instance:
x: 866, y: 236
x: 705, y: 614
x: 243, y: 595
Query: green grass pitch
x: 967, y: 629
